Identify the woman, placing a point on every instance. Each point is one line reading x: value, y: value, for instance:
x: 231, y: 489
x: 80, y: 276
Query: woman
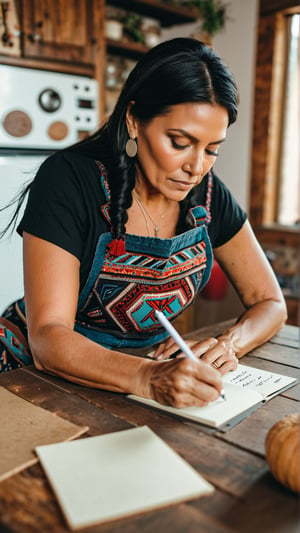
x: 124, y: 223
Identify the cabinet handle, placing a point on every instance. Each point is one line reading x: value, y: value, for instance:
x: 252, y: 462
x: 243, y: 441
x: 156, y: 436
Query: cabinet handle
x: 34, y: 37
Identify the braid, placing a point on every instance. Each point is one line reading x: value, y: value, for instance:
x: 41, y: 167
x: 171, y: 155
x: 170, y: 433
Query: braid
x: 121, y: 181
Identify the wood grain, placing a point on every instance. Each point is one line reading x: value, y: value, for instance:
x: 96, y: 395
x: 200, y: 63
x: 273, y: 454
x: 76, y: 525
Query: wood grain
x: 247, y: 497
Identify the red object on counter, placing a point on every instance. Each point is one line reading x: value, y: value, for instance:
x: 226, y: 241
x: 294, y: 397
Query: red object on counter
x: 217, y: 285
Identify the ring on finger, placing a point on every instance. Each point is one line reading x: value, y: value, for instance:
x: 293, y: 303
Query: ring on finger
x: 214, y: 363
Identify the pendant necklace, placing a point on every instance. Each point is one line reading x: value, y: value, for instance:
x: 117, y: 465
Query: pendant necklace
x: 146, y: 214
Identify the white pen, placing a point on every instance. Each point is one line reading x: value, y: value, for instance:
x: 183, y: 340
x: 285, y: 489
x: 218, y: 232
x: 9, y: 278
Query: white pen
x: 179, y: 340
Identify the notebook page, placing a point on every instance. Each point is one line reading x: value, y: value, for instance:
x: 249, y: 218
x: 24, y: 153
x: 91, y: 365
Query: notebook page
x: 268, y: 384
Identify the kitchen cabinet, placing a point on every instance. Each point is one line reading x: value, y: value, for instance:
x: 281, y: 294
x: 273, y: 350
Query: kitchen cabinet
x: 59, y: 31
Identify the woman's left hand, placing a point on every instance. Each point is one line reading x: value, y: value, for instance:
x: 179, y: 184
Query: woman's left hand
x: 216, y: 352
x: 221, y: 356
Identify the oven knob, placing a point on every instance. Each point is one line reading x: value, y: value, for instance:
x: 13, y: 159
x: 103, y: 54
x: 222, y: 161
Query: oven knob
x: 49, y: 100
x: 17, y: 123
x: 58, y: 130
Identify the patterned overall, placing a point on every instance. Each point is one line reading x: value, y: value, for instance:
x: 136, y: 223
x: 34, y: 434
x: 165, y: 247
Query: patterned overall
x: 117, y: 303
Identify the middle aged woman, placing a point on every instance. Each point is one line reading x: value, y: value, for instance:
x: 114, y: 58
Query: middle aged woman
x: 124, y: 223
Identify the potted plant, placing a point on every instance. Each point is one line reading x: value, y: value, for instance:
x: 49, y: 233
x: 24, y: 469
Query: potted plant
x: 113, y: 25
x: 211, y: 12
x: 132, y: 27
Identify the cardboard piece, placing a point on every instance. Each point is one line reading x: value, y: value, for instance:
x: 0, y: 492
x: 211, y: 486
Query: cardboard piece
x: 23, y: 426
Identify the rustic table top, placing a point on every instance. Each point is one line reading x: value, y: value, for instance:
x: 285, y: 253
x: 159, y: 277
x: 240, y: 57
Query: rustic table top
x: 247, y: 497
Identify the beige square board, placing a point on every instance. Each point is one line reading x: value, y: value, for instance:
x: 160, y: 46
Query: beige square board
x: 108, y: 477
x: 23, y: 426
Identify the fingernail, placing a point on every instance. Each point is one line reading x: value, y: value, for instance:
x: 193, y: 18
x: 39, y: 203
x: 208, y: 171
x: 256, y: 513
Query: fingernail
x: 212, y: 344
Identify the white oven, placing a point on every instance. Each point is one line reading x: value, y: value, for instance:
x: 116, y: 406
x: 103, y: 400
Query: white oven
x: 40, y: 112
x: 45, y: 110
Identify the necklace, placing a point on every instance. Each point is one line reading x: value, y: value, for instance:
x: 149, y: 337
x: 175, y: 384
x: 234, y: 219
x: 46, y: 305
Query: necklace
x: 145, y: 214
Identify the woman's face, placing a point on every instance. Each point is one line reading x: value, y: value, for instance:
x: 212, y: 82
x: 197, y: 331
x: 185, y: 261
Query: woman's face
x: 177, y: 149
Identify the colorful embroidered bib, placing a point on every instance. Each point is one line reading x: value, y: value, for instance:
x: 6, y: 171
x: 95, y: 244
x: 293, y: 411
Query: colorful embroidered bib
x: 116, y: 306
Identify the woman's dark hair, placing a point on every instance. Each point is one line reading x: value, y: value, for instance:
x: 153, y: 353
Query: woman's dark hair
x: 176, y: 71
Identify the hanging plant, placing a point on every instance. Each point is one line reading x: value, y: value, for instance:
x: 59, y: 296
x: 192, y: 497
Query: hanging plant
x: 212, y: 13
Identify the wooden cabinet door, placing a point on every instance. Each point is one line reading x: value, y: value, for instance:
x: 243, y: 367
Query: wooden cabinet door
x: 60, y: 30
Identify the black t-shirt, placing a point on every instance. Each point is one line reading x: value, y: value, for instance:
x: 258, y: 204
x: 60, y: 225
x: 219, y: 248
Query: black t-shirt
x: 64, y: 207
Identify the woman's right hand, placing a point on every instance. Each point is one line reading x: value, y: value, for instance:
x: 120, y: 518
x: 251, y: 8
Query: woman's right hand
x: 182, y: 382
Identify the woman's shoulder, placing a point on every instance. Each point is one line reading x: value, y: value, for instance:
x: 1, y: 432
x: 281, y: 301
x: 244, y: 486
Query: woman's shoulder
x: 66, y: 169
x: 64, y: 200
x: 69, y: 159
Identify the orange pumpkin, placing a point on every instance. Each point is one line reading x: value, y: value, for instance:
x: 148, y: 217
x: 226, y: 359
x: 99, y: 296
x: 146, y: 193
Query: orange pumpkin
x: 282, y: 447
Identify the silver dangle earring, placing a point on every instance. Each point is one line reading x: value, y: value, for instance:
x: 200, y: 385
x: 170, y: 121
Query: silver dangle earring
x: 131, y: 148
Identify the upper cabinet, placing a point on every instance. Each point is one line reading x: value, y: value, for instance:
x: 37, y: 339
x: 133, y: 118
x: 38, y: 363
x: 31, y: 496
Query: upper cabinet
x: 59, y: 31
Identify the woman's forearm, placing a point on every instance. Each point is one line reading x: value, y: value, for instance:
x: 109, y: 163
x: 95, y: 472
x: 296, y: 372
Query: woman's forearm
x: 255, y: 326
x: 178, y: 382
x: 250, y: 273
x: 63, y: 352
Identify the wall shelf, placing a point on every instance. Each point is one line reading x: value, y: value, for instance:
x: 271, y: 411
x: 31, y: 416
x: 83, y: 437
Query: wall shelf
x: 128, y: 49
x: 168, y: 14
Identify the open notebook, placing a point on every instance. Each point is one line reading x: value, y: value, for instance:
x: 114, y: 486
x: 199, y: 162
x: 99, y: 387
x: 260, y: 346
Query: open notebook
x: 104, y: 478
x: 245, y: 388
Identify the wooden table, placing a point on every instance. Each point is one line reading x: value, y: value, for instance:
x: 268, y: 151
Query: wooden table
x: 247, y: 498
